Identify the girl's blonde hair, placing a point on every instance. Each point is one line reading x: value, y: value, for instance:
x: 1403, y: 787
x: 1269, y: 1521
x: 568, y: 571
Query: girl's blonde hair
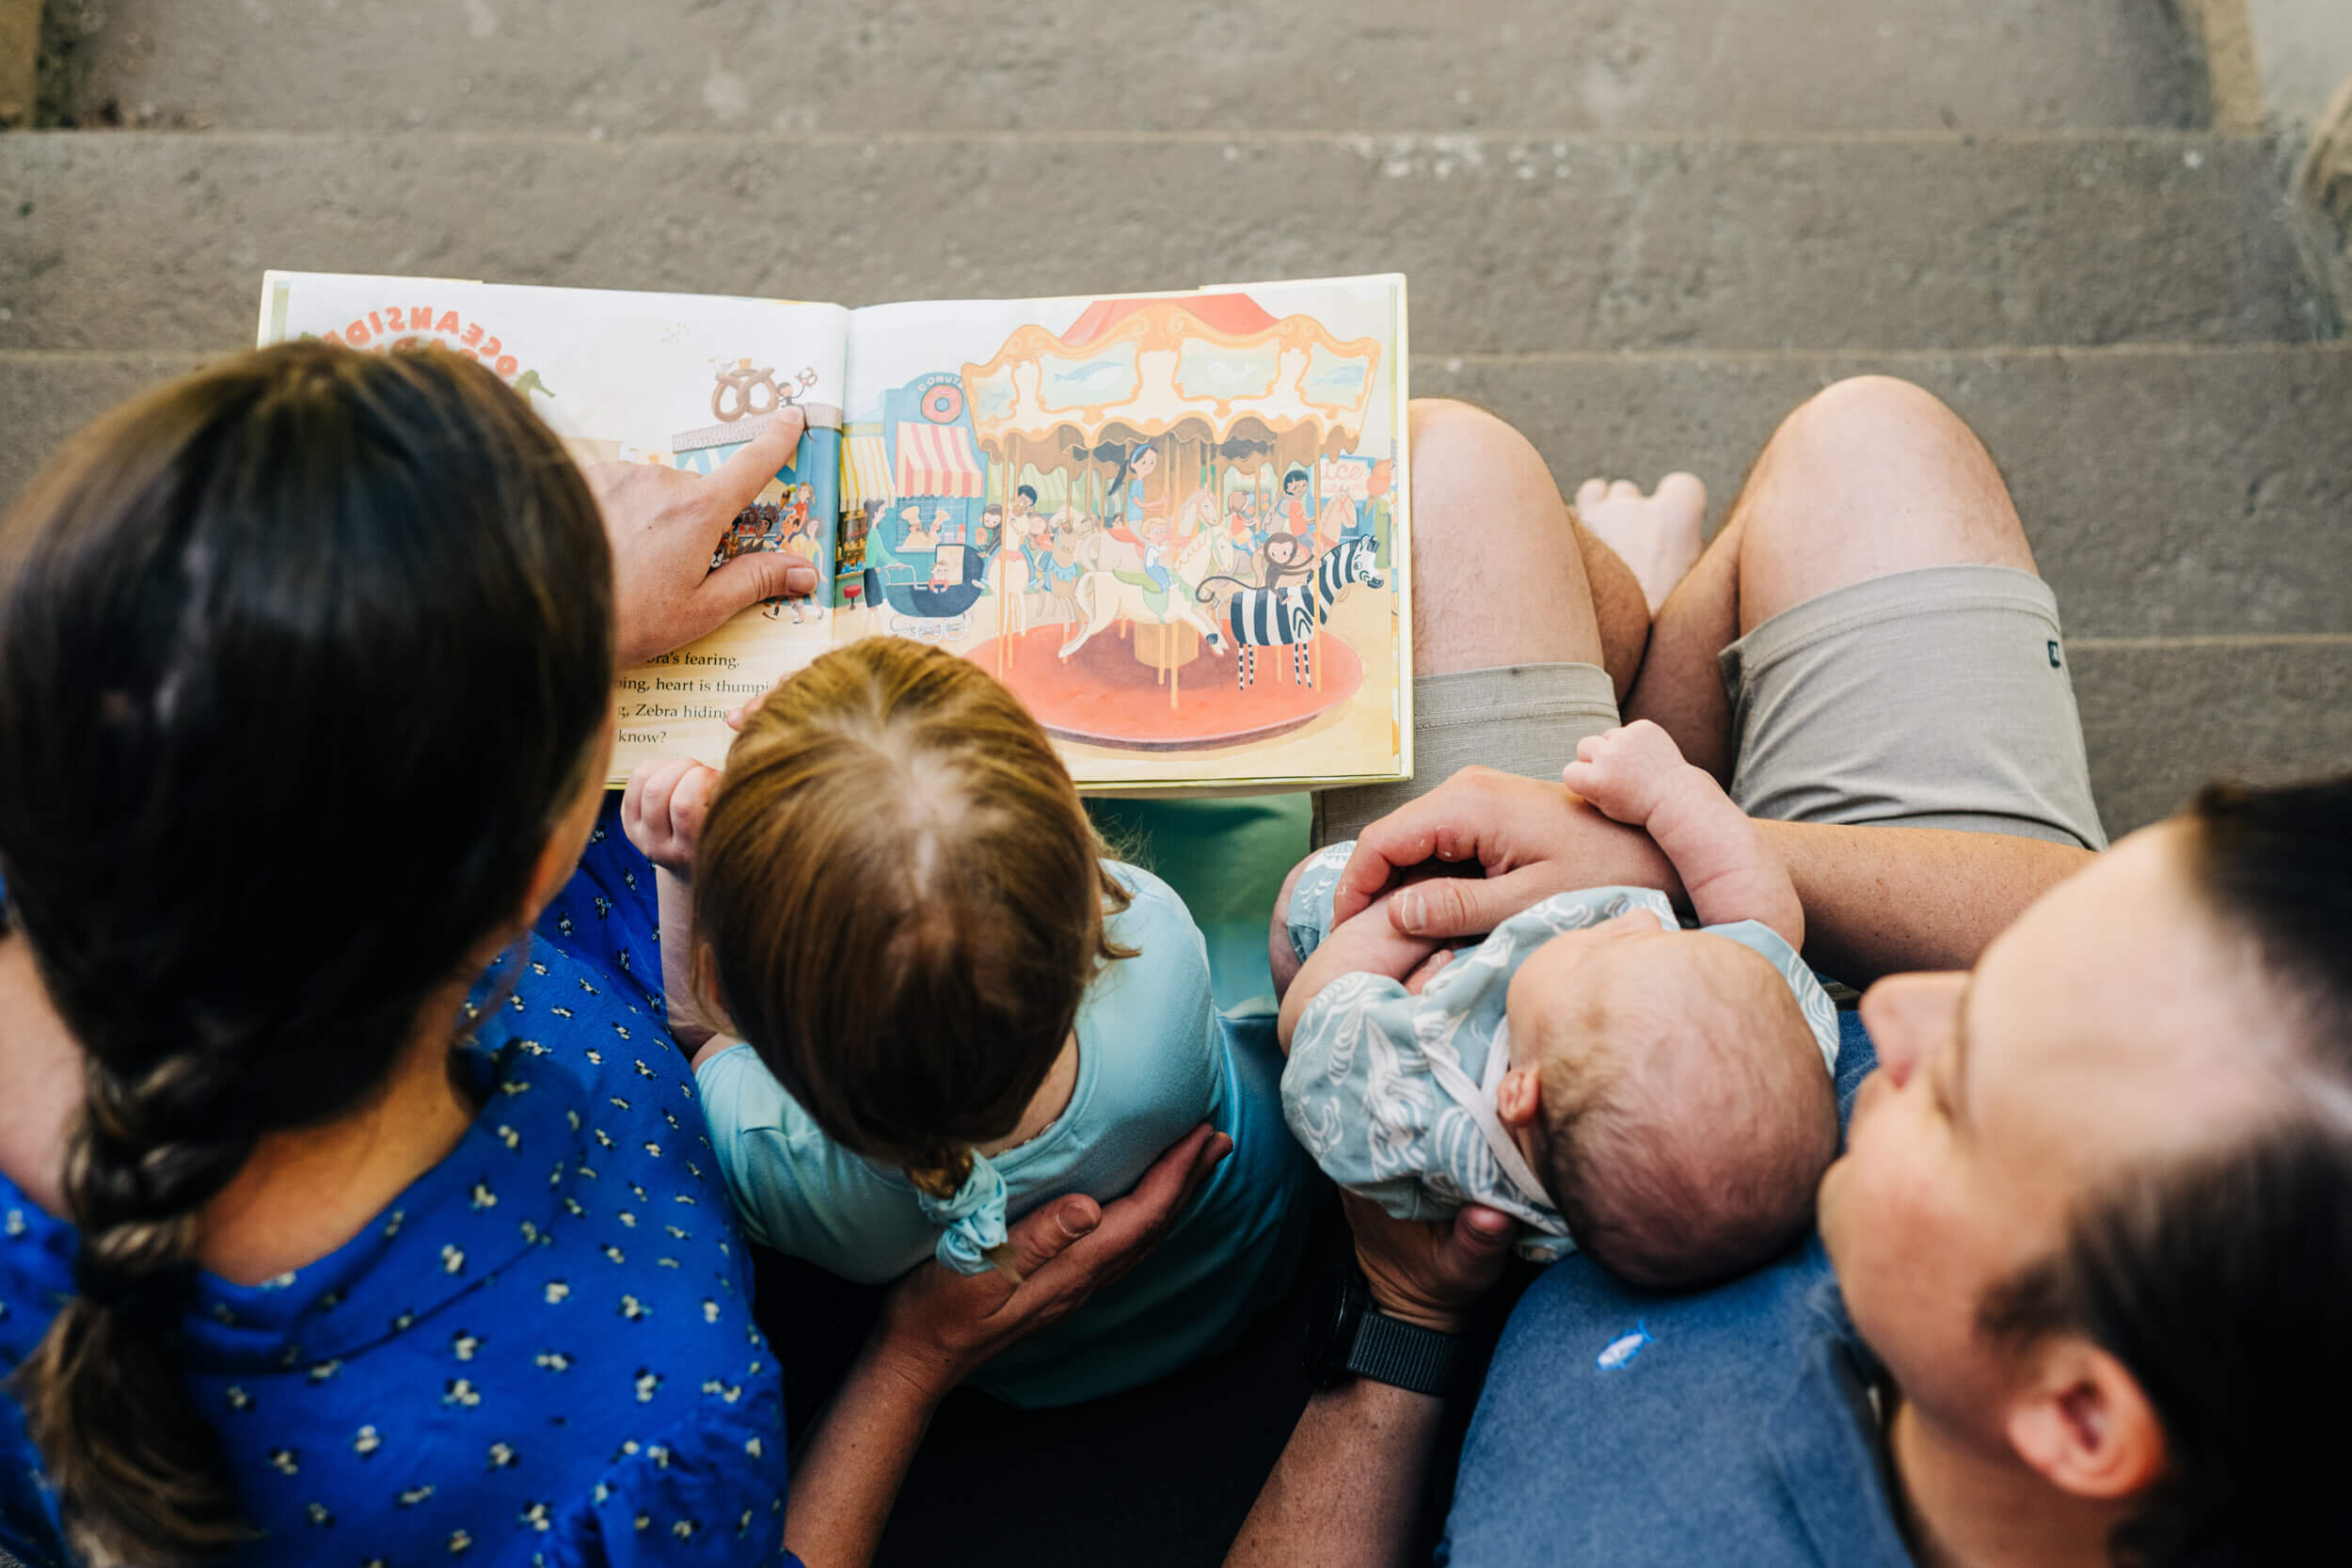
x: 903, y: 902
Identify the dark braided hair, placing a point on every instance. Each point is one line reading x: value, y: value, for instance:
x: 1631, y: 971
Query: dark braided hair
x: 301, y: 659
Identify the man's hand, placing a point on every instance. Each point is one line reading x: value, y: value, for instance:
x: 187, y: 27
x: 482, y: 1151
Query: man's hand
x: 938, y: 1326
x: 1431, y: 1273
x: 664, y: 526
x: 1529, y: 839
x: 662, y: 812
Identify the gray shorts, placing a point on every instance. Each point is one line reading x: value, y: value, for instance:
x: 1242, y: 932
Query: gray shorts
x: 1937, y: 698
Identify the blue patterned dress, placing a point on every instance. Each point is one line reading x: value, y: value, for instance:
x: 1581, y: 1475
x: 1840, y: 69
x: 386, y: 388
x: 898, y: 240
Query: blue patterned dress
x: 542, y: 1352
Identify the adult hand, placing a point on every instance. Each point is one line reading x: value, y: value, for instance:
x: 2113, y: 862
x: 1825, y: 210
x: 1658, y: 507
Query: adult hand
x: 1430, y: 1273
x: 938, y: 1326
x: 1529, y: 838
x: 665, y: 524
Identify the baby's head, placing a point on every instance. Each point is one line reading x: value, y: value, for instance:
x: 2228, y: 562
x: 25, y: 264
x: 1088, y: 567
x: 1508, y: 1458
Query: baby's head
x: 900, y: 902
x: 1668, y: 1093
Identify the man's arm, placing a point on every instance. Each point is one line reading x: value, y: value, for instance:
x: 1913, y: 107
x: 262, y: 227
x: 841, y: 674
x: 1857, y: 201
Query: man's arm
x: 1348, y: 1488
x: 1881, y: 899
x: 1877, y: 899
x: 1347, y: 1491
x: 938, y: 1327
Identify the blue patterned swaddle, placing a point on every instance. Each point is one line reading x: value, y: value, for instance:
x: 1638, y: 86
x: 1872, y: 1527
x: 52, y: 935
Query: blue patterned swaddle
x: 1394, y: 1094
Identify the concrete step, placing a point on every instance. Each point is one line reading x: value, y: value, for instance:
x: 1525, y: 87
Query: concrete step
x: 1190, y: 64
x: 2184, y: 504
x: 2166, y: 491
x: 138, y: 240
x: 2162, y: 717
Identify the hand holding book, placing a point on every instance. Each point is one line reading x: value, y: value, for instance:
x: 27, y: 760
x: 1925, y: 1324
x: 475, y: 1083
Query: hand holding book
x: 665, y: 524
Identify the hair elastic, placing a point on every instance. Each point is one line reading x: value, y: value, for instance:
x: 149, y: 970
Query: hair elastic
x: 974, y: 1219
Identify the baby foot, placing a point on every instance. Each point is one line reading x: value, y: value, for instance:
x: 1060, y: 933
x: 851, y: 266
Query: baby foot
x: 1658, y: 536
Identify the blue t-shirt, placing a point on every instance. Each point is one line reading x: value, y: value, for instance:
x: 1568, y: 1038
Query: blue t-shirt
x: 1737, y: 1424
x: 542, y: 1351
x: 1156, y: 1059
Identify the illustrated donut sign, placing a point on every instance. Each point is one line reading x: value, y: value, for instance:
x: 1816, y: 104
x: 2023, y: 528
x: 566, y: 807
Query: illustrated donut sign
x: 944, y: 403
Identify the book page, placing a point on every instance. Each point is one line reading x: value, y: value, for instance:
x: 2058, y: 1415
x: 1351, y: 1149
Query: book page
x: 1175, y: 525
x: 679, y: 380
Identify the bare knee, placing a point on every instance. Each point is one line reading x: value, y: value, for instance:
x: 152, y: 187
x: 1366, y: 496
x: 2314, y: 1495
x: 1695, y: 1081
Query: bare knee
x: 1870, y: 476
x: 1497, y: 576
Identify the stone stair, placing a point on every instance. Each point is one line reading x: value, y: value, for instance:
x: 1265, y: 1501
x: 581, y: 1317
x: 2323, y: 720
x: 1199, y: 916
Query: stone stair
x: 1641, y: 228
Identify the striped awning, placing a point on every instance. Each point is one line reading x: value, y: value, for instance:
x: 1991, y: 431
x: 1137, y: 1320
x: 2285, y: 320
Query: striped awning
x: 865, y: 470
x: 937, y: 460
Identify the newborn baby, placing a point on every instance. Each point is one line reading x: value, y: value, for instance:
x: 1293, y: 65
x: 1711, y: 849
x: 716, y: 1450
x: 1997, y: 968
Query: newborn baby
x: 1653, y: 1095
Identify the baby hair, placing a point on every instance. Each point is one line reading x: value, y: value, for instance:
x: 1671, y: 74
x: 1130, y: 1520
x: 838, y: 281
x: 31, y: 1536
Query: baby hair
x: 902, y: 901
x: 1685, y: 1139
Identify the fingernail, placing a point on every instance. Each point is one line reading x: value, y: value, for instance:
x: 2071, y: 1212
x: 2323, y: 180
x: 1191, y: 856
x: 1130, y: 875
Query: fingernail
x: 800, y: 579
x: 1409, y: 914
x: 1080, y: 1223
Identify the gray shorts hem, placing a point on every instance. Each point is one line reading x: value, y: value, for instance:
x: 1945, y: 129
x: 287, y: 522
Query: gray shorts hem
x: 1931, y: 698
x: 1523, y: 718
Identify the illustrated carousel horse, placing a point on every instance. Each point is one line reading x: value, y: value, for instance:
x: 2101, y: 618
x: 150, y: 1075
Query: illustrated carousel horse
x: 1121, y: 588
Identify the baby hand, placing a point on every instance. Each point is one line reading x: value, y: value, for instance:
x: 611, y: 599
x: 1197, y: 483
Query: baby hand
x: 1627, y: 773
x: 1369, y: 944
x: 662, y: 810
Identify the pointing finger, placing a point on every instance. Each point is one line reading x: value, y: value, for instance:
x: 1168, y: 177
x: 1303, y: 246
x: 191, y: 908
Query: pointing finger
x: 740, y: 478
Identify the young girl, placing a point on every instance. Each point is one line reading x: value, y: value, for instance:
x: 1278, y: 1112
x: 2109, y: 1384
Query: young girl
x: 956, y: 1008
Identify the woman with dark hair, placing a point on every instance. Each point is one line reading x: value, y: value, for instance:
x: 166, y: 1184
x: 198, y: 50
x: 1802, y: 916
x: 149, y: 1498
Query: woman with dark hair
x: 336, y: 1209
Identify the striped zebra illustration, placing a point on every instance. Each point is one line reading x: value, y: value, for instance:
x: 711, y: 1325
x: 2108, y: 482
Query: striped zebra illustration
x: 1275, y: 617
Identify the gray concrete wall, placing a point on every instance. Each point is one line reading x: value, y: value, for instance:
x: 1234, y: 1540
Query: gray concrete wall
x: 2303, y: 51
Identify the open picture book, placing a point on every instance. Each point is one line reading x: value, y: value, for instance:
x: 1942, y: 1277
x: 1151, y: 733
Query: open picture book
x: 1175, y: 525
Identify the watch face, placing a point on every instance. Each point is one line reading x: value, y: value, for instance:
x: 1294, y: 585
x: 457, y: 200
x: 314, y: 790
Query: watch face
x: 1331, y: 1322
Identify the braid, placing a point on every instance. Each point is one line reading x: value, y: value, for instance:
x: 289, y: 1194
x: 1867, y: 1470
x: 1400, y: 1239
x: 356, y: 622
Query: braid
x: 138, y: 1472
x: 940, y: 1172
x: 397, y: 553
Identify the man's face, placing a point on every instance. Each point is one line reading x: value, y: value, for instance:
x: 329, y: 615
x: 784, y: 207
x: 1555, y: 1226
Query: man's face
x: 2113, y: 1024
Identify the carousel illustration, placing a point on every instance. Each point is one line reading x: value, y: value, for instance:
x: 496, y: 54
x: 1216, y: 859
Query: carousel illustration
x: 1203, y: 502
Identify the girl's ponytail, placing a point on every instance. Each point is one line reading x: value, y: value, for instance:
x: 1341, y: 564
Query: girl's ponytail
x: 274, y: 607
x: 962, y: 1194
x: 137, y: 1469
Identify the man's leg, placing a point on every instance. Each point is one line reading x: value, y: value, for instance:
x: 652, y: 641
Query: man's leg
x: 1793, y: 648
x: 1525, y: 629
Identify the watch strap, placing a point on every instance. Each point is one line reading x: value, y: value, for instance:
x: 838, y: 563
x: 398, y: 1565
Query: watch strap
x: 1405, y: 1356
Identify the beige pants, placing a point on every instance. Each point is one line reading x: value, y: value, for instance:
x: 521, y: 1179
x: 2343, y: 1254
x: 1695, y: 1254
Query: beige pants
x: 1937, y: 698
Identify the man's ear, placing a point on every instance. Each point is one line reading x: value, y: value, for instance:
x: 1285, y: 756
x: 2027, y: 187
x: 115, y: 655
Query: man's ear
x: 2083, y: 1422
x: 1519, y: 1097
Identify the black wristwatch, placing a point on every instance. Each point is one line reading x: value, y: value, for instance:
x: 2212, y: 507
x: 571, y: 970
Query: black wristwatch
x: 1349, y: 1337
